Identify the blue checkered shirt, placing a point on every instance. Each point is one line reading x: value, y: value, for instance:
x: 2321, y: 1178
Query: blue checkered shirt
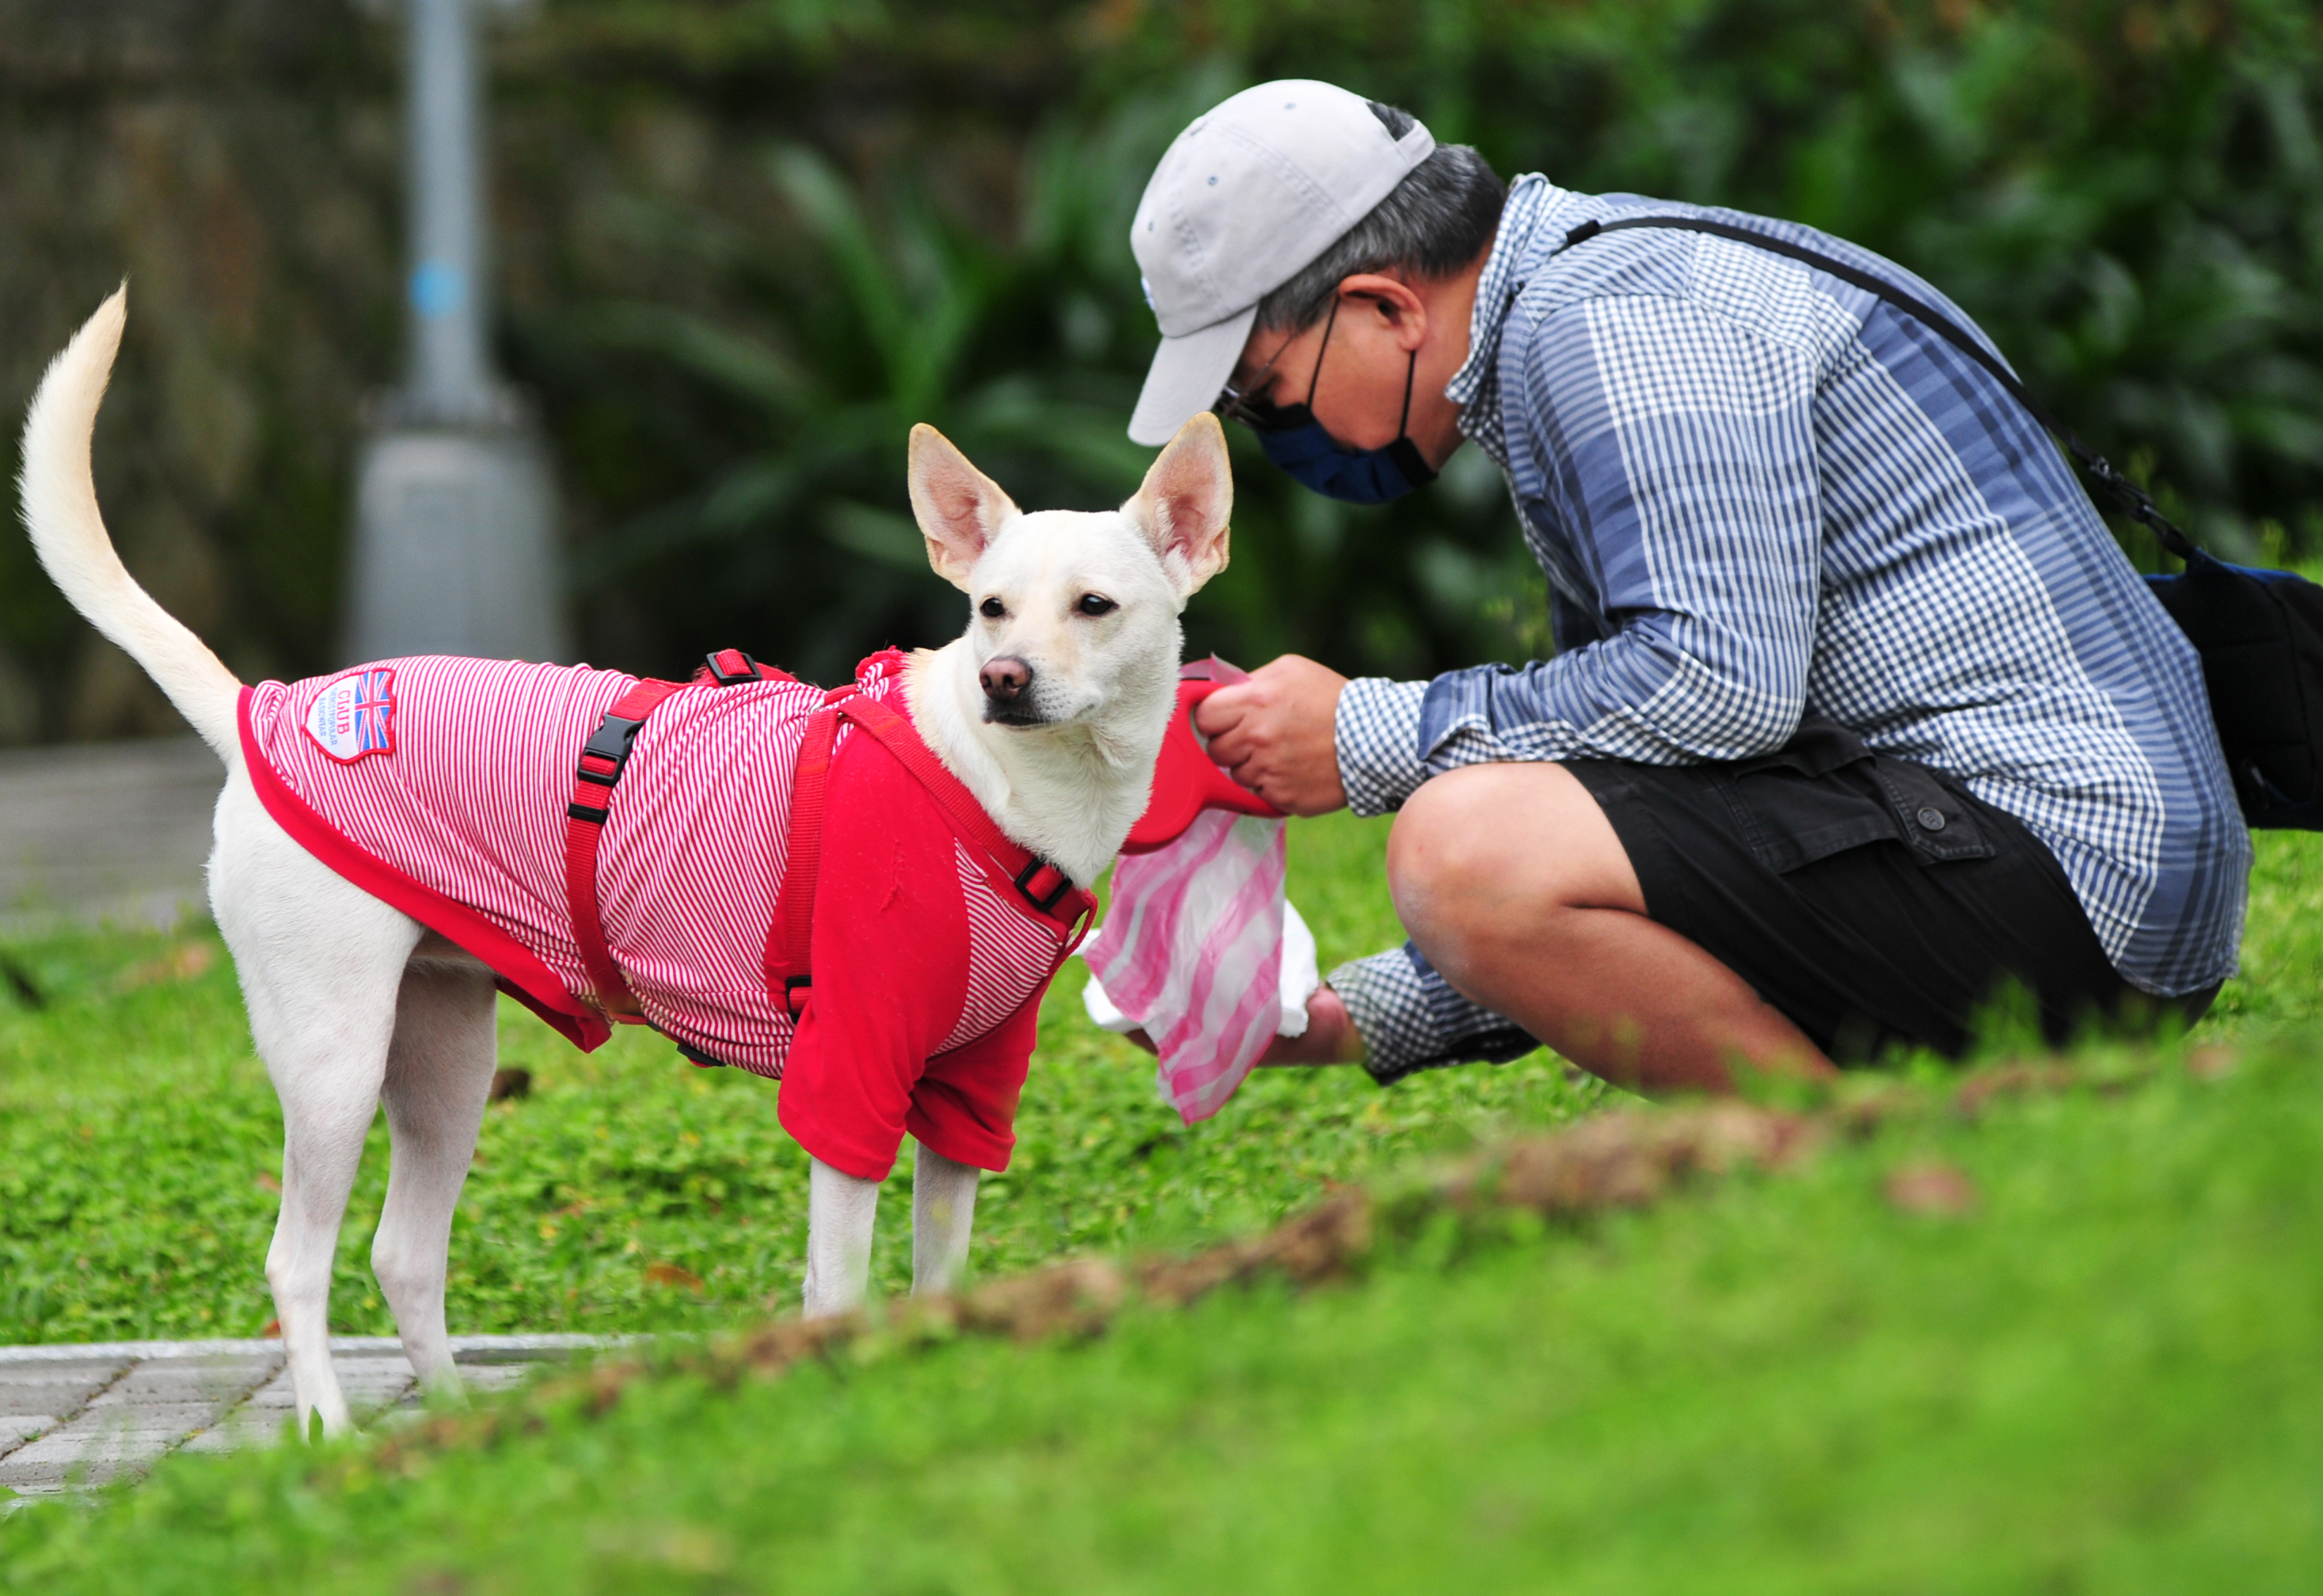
x: 1759, y: 491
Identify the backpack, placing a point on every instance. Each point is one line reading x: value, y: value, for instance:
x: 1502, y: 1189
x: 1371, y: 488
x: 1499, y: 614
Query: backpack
x: 2259, y: 633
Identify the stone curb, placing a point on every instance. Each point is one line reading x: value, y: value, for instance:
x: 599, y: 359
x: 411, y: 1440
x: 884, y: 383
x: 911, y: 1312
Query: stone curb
x: 466, y: 1349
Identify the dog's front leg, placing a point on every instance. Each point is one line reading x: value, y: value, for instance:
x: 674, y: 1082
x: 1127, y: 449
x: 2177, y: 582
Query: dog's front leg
x: 841, y: 1212
x: 943, y: 1212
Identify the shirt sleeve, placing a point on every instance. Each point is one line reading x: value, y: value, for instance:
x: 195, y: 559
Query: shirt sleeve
x: 966, y: 1104
x: 1684, y: 471
x: 1411, y: 1020
x: 889, y: 958
x: 1376, y: 733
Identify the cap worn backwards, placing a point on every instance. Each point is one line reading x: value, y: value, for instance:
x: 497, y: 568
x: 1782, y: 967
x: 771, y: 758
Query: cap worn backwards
x: 1245, y: 198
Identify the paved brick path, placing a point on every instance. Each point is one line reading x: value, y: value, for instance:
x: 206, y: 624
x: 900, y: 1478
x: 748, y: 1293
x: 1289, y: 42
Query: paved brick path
x: 88, y: 1414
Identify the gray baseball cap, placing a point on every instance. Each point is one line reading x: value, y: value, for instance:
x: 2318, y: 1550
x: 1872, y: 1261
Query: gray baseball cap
x: 1247, y: 197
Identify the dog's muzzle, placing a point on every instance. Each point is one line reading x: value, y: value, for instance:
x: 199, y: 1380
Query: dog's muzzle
x: 1007, y: 682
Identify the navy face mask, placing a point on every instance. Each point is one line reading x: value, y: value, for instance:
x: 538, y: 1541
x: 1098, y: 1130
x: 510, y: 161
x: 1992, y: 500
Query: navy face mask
x: 1295, y: 441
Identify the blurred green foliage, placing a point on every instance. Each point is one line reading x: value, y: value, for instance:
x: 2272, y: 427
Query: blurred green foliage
x: 743, y: 244
x: 2129, y: 196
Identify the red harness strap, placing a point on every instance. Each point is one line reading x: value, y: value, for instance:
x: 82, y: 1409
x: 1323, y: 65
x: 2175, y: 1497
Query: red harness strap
x: 602, y: 760
x: 1046, y: 889
x: 600, y: 766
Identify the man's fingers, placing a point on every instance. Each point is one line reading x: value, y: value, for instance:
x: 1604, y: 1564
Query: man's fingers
x: 1232, y: 731
x: 1274, y: 733
x: 1234, y: 750
x: 1223, y: 710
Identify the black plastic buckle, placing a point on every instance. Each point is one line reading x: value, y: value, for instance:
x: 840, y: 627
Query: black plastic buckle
x: 791, y: 987
x: 612, y: 741
x: 718, y: 674
x: 609, y: 744
x: 1024, y: 885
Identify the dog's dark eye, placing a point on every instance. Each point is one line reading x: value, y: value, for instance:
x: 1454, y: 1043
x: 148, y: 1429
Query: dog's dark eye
x: 992, y: 610
x: 1097, y: 604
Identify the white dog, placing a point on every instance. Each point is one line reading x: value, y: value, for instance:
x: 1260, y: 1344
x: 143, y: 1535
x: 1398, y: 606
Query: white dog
x: 1051, y: 709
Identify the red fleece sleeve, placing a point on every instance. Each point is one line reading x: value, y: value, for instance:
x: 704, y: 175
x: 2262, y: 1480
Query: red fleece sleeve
x: 966, y: 1106
x: 890, y: 958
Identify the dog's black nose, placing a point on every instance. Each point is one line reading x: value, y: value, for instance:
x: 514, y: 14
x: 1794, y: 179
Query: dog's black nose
x: 1005, y: 679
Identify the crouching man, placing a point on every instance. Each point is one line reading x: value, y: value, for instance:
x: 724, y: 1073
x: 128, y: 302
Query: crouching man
x: 1856, y: 712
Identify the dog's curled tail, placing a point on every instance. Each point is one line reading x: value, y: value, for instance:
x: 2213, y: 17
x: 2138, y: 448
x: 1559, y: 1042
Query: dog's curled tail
x: 60, y: 504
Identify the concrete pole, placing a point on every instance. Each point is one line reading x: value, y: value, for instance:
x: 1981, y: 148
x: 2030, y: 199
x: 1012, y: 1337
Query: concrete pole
x: 456, y: 501
x: 450, y: 282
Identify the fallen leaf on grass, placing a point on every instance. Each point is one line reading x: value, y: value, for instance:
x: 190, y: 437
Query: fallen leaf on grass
x: 274, y: 1329
x: 2214, y: 1062
x: 267, y: 1182
x: 1930, y: 1188
x: 182, y: 963
x: 2013, y: 1080
x: 671, y: 1274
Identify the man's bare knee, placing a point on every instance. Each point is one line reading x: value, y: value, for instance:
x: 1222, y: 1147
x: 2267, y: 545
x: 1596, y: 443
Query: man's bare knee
x: 1442, y: 847
x: 1503, y: 847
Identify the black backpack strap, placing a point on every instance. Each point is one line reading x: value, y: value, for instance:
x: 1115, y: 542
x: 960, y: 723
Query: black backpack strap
x: 2134, y: 501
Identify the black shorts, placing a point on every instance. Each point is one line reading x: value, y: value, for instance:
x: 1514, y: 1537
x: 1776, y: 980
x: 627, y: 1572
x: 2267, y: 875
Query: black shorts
x: 1873, y: 900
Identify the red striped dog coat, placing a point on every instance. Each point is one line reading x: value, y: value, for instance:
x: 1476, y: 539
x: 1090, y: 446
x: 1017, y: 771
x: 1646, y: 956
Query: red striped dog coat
x: 441, y: 785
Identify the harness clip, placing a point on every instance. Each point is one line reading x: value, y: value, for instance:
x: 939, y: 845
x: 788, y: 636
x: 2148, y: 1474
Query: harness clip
x: 612, y: 741
x: 1026, y: 877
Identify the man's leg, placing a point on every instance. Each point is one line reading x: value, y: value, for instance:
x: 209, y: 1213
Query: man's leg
x: 1510, y: 880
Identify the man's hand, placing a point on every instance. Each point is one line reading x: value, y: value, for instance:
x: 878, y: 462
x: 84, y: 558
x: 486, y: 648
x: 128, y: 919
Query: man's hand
x: 1275, y: 732
x: 1331, y: 1036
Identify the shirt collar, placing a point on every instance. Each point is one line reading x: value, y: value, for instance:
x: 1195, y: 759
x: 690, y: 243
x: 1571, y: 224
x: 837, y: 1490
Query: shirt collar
x: 1476, y: 387
x: 1530, y: 196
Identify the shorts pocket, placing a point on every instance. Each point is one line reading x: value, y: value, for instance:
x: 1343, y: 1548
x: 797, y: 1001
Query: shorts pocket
x: 1824, y: 793
x: 1937, y: 822
x: 1790, y: 819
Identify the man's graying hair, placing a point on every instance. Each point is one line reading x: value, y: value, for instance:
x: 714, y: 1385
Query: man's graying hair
x: 1441, y: 217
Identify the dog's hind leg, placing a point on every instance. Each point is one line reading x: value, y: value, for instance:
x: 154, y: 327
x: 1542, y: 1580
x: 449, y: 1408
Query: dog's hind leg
x: 943, y: 1213
x: 439, y: 1074
x: 321, y: 962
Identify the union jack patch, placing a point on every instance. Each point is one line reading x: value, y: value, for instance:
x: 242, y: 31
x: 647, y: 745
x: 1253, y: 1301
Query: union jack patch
x: 353, y: 716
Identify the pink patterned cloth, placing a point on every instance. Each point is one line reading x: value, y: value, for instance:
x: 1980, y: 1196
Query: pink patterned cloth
x: 1191, y: 949
x: 1200, y: 949
x: 440, y: 785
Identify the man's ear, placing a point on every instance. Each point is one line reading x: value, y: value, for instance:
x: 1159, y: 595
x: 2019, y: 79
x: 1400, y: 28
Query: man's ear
x: 1185, y: 504
x: 958, y: 508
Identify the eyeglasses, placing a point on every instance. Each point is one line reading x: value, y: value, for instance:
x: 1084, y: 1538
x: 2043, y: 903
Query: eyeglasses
x: 1243, y: 404
x: 1259, y: 415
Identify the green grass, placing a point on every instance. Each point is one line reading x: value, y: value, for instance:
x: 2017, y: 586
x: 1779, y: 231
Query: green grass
x: 2105, y: 1376
x: 141, y: 1147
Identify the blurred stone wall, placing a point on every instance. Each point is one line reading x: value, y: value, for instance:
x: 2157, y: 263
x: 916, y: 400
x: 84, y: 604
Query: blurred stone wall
x: 235, y: 160
x: 239, y: 162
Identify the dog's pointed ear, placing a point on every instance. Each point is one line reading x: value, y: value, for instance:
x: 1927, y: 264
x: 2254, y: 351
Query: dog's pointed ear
x: 958, y: 508
x: 1185, y: 504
